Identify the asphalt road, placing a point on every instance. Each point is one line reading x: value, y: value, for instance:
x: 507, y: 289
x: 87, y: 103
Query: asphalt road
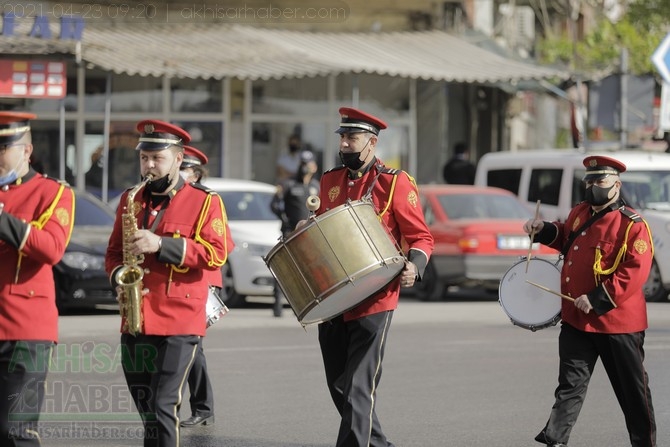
x: 457, y: 373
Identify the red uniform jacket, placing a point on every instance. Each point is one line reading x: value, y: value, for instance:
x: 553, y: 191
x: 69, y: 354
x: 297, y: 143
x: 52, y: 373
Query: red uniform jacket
x: 35, y: 227
x: 617, y: 296
x: 396, y: 198
x: 194, y: 227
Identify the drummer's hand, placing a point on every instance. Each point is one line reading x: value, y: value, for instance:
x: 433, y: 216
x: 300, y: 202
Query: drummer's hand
x: 533, y: 224
x: 408, y: 275
x: 582, y: 303
x: 300, y: 224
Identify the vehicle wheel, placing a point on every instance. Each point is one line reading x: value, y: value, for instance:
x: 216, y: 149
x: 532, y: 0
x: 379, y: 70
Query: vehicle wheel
x: 229, y: 295
x: 430, y: 288
x: 653, y: 288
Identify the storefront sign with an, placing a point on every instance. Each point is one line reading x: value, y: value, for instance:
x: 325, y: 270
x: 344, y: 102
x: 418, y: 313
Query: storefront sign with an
x: 71, y: 27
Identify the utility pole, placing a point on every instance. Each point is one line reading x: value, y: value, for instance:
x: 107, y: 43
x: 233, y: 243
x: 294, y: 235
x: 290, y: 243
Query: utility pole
x: 623, y: 108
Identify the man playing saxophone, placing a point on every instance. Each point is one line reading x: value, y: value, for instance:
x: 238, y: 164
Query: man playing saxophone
x: 176, y: 233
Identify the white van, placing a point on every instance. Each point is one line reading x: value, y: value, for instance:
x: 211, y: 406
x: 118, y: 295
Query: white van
x: 554, y: 177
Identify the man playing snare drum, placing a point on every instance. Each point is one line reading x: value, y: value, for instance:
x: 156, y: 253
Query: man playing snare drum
x: 608, y: 251
x: 352, y: 344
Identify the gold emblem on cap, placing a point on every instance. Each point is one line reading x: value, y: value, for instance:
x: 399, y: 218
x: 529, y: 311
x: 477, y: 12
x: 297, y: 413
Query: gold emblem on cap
x: 412, y: 198
x: 640, y: 246
x: 575, y: 224
x: 593, y: 163
x: 63, y: 216
x: 218, y: 226
x: 333, y: 193
x: 149, y: 128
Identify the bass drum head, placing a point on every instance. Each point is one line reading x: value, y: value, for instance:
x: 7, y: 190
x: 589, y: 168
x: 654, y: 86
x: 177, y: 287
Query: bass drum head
x: 525, y: 304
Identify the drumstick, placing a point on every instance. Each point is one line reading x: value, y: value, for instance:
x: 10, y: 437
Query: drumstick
x: 532, y: 235
x: 547, y: 289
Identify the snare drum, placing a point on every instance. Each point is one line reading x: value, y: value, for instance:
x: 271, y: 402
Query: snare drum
x: 334, y: 262
x: 527, y: 306
x: 215, y: 308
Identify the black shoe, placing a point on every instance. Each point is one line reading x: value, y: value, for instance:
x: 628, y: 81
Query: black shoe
x: 542, y: 439
x: 194, y: 421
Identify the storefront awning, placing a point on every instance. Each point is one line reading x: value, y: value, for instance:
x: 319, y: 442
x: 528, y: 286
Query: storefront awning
x: 220, y: 51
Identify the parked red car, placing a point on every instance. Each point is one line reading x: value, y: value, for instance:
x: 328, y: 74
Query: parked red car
x: 478, y: 234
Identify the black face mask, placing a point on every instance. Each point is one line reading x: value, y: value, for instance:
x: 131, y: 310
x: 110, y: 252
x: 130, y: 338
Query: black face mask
x: 351, y: 160
x: 159, y: 185
x: 597, y: 196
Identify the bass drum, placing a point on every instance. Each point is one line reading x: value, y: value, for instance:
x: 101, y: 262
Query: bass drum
x: 526, y: 305
x: 334, y: 262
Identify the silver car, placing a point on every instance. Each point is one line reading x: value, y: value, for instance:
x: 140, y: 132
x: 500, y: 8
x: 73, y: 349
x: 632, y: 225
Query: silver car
x: 255, y: 230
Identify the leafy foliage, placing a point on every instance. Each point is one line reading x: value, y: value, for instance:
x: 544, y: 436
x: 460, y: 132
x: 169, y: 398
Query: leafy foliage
x: 641, y: 29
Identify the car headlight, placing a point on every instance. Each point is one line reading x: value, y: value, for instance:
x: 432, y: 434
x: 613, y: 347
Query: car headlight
x: 256, y: 249
x: 83, y: 261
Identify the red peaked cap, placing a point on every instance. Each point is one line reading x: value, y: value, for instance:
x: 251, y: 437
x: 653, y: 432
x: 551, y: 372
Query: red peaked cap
x: 14, y: 125
x: 158, y: 135
x: 193, y: 157
x: 354, y: 120
x: 599, y: 166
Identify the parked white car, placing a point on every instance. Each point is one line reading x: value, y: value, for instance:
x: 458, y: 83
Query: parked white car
x: 255, y: 230
x: 554, y: 177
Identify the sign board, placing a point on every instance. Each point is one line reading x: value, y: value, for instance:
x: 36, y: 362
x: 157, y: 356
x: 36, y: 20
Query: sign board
x: 661, y: 58
x: 664, y: 113
x: 32, y: 79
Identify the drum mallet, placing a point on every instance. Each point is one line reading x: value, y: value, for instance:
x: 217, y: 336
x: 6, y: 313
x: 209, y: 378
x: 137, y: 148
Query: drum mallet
x: 547, y: 289
x: 532, y: 235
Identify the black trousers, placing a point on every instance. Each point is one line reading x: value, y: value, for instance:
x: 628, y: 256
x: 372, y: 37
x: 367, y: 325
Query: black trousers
x: 352, y: 356
x: 156, y: 369
x: 622, y: 356
x: 23, y: 372
x: 202, y: 395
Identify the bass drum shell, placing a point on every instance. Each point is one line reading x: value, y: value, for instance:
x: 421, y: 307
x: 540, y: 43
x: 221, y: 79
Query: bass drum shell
x: 334, y: 262
x: 526, y: 305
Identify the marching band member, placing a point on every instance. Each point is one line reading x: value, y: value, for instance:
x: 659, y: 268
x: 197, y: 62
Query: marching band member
x: 180, y: 231
x: 608, y: 253
x: 193, y: 170
x: 36, y: 219
x: 352, y: 344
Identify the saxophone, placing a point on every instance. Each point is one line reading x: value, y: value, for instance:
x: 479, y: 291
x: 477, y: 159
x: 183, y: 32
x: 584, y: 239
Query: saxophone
x: 129, y: 277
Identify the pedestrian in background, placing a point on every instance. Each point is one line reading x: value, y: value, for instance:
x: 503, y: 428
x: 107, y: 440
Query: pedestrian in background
x: 459, y: 170
x: 289, y: 204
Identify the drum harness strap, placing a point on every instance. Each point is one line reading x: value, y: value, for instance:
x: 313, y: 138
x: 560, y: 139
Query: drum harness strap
x: 588, y: 223
x: 368, y: 194
x: 597, y: 268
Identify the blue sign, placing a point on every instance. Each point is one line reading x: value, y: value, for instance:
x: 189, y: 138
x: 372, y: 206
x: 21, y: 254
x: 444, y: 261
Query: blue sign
x: 661, y: 58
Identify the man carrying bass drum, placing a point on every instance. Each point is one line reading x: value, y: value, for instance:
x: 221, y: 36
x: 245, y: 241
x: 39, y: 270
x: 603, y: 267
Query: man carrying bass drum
x: 352, y: 344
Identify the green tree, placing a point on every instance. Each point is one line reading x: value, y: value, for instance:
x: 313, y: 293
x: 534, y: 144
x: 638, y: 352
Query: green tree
x: 640, y: 29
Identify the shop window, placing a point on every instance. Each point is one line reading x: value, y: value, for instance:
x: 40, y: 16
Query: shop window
x: 196, y: 95
x: 304, y: 96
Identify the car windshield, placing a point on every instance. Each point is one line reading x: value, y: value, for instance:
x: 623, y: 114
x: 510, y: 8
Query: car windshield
x: 247, y: 205
x: 91, y: 212
x: 646, y: 189
x: 482, y: 206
